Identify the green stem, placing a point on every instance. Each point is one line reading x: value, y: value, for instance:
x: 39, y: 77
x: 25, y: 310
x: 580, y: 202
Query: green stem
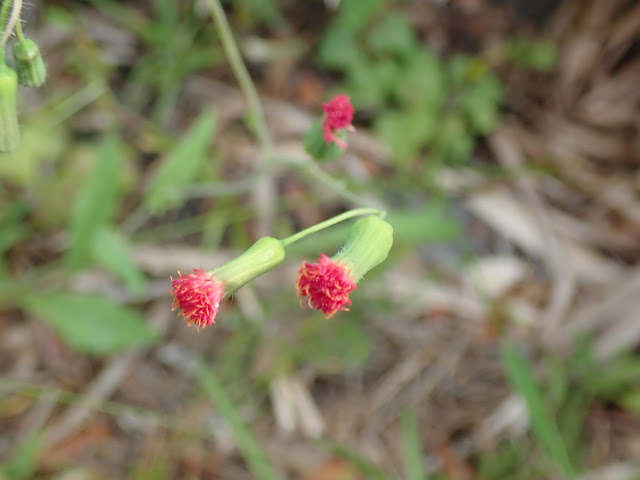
x: 258, y: 122
x: 332, y: 221
x: 4, y: 13
x: 14, y: 18
x: 311, y: 169
x: 19, y: 32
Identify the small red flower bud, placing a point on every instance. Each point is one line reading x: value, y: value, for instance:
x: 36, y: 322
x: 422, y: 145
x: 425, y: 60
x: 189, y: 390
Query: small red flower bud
x: 327, y: 284
x: 338, y: 115
x: 199, y: 295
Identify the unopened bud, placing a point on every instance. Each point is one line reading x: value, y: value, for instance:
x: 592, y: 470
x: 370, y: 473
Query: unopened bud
x: 264, y: 255
x: 29, y: 64
x: 367, y: 246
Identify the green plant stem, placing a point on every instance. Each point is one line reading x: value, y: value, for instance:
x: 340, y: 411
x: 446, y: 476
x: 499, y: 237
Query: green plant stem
x: 4, y: 13
x: 258, y: 122
x: 311, y: 169
x: 256, y: 112
x: 332, y: 221
x: 14, y: 18
x: 19, y: 32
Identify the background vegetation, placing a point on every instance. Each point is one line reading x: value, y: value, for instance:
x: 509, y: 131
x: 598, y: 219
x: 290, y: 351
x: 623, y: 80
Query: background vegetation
x: 498, y: 341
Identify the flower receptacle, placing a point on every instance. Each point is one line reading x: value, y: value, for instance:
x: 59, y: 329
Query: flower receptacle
x: 368, y: 244
x: 30, y: 66
x: 262, y: 256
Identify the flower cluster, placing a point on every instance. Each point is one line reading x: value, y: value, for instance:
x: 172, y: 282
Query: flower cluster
x: 199, y: 295
x: 338, y: 115
x: 324, y: 286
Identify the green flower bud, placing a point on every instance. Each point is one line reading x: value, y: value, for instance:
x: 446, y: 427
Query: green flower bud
x: 29, y: 64
x: 9, y: 130
x: 367, y: 246
x: 262, y: 256
x: 316, y: 146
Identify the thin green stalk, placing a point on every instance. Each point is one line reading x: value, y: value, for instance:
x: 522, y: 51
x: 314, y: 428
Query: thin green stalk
x: 520, y: 375
x: 253, y: 454
x: 247, y: 86
x: 311, y: 169
x: 4, y: 13
x: 19, y: 32
x: 14, y: 18
x: 332, y: 221
x: 256, y: 112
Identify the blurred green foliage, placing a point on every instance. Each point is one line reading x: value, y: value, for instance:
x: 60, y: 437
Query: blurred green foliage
x: 103, y: 198
x: 419, y: 102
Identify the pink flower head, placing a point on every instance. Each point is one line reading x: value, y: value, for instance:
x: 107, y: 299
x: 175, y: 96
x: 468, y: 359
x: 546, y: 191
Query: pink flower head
x: 338, y: 115
x: 199, y: 297
x: 327, y: 284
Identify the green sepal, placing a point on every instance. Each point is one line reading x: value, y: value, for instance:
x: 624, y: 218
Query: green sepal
x: 29, y: 63
x: 9, y: 130
x: 320, y: 150
x: 368, y: 244
x: 264, y: 255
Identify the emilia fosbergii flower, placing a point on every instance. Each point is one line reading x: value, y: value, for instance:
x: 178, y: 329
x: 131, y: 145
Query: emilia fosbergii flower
x: 326, y: 285
x: 199, y: 293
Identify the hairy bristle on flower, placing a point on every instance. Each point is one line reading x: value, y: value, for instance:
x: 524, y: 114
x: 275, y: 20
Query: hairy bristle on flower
x: 326, y: 284
x: 198, y: 295
x: 338, y: 115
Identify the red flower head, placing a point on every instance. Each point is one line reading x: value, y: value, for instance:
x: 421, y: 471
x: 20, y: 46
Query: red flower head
x: 199, y: 295
x: 327, y: 284
x: 338, y: 115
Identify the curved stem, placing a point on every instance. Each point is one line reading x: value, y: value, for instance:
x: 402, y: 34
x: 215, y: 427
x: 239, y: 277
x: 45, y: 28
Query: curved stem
x: 14, y: 18
x: 247, y: 86
x: 332, y: 221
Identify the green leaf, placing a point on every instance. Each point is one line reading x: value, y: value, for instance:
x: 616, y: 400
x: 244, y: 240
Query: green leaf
x: 96, y: 203
x: 111, y: 250
x: 422, y: 84
x: 90, y: 323
x: 338, y: 49
x: 394, y: 36
x: 434, y: 223
x: 24, y: 461
x: 181, y: 166
x: 405, y: 132
x: 412, y: 446
x: 354, y: 16
x: 539, y: 56
x: 522, y: 379
x: 454, y: 142
x: 367, y: 83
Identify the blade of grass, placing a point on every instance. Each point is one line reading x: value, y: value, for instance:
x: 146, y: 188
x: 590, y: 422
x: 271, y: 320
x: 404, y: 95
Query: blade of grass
x: 412, y: 446
x: 368, y: 469
x: 24, y: 462
x: 96, y: 203
x: 522, y: 379
x: 247, y: 444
